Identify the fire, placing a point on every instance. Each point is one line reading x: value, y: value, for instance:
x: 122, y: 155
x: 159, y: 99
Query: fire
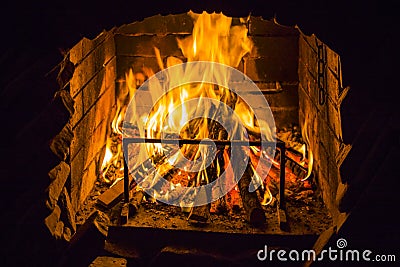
x: 107, y: 158
x: 190, y: 111
x: 113, y: 161
x: 304, y: 132
x: 214, y: 39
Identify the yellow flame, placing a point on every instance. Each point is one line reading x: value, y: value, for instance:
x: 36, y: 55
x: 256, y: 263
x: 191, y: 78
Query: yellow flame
x: 303, y: 150
x: 304, y: 132
x: 107, y: 158
x: 214, y: 39
x: 267, y: 197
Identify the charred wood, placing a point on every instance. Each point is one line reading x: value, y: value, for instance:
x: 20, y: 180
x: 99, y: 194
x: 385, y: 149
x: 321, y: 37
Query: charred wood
x: 251, y: 204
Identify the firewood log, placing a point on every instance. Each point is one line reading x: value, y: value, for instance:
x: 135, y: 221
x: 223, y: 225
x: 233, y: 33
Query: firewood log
x: 251, y: 204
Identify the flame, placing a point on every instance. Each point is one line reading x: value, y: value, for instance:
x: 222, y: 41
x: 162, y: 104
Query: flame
x: 304, y: 132
x: 267, y: 197
x: 112, y: 165
x: 213, y: 39
x: 107, y: 158
x: 303, y: 150
x: 116, y: 122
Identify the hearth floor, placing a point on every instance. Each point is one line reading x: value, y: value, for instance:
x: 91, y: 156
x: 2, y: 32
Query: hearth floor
x: 312, y: 218
x: 158, y: 229
x: 305, y: 216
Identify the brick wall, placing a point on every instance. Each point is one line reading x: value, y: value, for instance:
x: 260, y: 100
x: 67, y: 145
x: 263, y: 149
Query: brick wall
x: 92, y: 88
x: 322, y: 113
x: 273, y: 59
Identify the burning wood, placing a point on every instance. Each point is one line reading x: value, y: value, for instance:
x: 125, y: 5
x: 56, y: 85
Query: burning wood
x: 112, y: 167
x: 255, y: 213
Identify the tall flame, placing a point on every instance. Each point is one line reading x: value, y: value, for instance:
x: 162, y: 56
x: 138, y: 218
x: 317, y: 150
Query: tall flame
x: 214, y: 39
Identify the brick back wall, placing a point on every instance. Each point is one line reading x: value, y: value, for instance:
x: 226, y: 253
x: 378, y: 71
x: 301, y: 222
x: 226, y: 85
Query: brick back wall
x: 273, y: 59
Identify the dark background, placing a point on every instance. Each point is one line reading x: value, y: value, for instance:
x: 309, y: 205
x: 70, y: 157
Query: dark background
x: 362, y: 33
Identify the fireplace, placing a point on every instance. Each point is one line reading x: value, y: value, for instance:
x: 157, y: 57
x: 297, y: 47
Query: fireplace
x: 299, y: 76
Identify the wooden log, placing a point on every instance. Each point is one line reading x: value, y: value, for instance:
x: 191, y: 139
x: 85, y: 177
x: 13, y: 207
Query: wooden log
x: 115, y: 193
x: 233, y: 198
x: 196, y: 141
x: 111, y: 196
x: 141, y: 173
x: 251, y: 204
x: 155, y: 180
x: 200, y: 215
x: 292, y: 163
x: 109, y: 261
x: 219, y: 206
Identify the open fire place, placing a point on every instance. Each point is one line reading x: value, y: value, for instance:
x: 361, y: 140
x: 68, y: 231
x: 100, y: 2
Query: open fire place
x: 287, y: 190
